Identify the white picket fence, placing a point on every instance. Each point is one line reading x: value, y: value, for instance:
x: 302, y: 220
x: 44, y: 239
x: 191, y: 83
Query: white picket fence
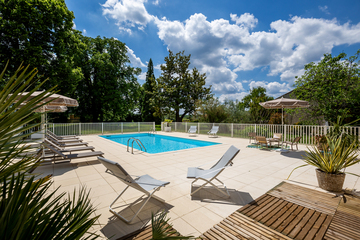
x: 99, y: 128
x: 307, y: 132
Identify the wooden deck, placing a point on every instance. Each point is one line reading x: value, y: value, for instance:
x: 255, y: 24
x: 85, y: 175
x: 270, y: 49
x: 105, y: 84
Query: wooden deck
x: 289, y: 211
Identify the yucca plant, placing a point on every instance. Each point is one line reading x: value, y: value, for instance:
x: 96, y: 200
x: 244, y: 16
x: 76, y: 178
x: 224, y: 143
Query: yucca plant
x: 28, y: 209
x: 162, y: 229
x: 334, y: 159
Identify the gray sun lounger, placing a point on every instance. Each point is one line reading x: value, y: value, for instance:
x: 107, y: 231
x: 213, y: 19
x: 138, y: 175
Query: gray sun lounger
x: 59, y: 156
x: 145, y: 184
x: 68, y: 150
x: 192, y: 130
x: 70, y: 140
x: 213, y: 131
x: 64, y: 137
x: 66, y: 144
x: 212, y: 173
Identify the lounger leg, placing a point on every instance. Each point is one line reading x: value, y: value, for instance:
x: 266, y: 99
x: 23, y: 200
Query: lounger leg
x: 142, y: 206
x: 206, y: 182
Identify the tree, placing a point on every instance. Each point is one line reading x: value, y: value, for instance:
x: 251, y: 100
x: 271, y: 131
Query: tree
x: 258, y: 114
x: 332, y: 87
x: 40, y: 32
x: 212, y: 111
x: 29, y: 209
x: 236, y: 112
x: 178, y: 88
x: 109, y: 89
x: 147, y: 111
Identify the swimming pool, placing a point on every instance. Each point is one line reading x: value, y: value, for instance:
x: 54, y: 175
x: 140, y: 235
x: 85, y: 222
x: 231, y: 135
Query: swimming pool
x: 155, y: 143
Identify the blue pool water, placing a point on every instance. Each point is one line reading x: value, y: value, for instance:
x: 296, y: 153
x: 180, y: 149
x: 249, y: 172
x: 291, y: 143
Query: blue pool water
x: 157, y: 143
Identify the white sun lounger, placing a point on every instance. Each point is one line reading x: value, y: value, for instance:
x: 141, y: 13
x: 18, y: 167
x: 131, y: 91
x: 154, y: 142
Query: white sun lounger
x: 145, y: 184
x: 192, y: 130
x: 212, y: 173
x: 213, y: 131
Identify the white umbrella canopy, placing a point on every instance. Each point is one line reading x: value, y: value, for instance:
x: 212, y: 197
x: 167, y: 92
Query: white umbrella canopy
x: 58, y: 100
x: 49, y: 108
x: 284, y: 103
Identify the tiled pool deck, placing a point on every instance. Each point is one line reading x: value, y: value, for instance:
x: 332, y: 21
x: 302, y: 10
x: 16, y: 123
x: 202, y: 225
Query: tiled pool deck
x: 254, y: 172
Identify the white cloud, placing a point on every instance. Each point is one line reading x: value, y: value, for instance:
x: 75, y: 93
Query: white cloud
x: 324, y: 9
x: 142, y: 76
x: 246, y: 20
x: 156, y: 2
x: 127, y: 13
x: 84, y: 31
x: 274, y: 89
x: 233, y: 96
x: 223, y: 48
x: 74, y: 25
x: 135, y: 61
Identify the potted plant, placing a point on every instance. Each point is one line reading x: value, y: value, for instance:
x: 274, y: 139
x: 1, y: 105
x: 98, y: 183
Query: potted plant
x: 167, y: 125
x: 331, y: 162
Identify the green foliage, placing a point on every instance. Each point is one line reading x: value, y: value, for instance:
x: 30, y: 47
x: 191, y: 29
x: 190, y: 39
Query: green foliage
x: 147, y: 111
x: 29, y: 210
x: 236, y: 112
x: 339, y: 131
x: 178, y: 88
x: 168, y: 121
x: 40, y: 32
x: 331, y: 86
x: 162, y: 229
x: 211, y: 111
x: 258, y: 114
x: 109, y: 89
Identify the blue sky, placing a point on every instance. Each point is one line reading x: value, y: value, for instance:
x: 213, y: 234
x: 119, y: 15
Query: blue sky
x: 238, y: 44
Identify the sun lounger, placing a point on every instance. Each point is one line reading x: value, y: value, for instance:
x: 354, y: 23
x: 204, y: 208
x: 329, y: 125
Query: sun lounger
x: 57, y: 155
x: 70, y: 140
x: 213, y: 131
x: 192, y: 130
x: 145, y: 184
x: 60, y: 137
x: 66, y: 144
x: 252, y: 136
x: 276, y: 139
x: 68, y: 150
x: 212, y: 173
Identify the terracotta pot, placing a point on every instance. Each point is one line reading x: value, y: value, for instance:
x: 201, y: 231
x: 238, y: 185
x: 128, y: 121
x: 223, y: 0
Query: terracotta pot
x: 329, y: 181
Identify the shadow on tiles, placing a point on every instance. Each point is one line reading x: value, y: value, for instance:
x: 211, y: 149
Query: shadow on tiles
x: 116, y: 227
x: 212, y: 195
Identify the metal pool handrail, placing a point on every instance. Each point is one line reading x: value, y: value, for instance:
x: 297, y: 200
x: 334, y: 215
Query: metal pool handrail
x: 139, y: 143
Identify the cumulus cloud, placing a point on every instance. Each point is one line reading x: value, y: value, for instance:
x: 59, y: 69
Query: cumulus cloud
x: 74, y: 25
x: 274, y: 89
x: 233, y: 96
x: 127, y: 13
x: 84, y: 31
x: 246, y: 20
x: 142, y: 76
x: 223, y: 48
x: 135, y: 61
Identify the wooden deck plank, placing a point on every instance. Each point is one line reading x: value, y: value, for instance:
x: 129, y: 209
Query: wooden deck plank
x: 305, y: 230
x: 289, y: 219
x: 315, y: 228
x: 295, y: 221
x: 270, y: 202
x: 323, y: 228
x: 264, y: 217
x: 277, y: 218
x: 253, y: 204
x: 301, y: 223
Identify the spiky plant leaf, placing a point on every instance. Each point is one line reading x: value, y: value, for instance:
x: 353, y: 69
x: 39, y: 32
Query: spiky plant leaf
x: 28, y: 207
x: 162, y: 229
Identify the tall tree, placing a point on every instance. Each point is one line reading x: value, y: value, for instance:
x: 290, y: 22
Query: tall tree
x: 211, y: 111
x: 39, y: 32
x: 332, y: 87
x: 147, y: 111
x: 109, y: 89
x: 258, y: 114
x: 178, y: 88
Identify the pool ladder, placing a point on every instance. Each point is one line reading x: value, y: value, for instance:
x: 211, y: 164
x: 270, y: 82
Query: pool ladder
x: 139, y: 143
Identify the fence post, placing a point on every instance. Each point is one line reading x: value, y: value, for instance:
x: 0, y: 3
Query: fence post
x: 102, y: 128
x: 255, y: 128
x: 53, y: 128
x: 154, y: 127
x: 185, y: 126
x: 175, y: 126
x: 138, y: 126
x: 232, y: 130
x: 198, y: 128
x: 285, y: 132
x: 121, y: 127
x: 79, y: 128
